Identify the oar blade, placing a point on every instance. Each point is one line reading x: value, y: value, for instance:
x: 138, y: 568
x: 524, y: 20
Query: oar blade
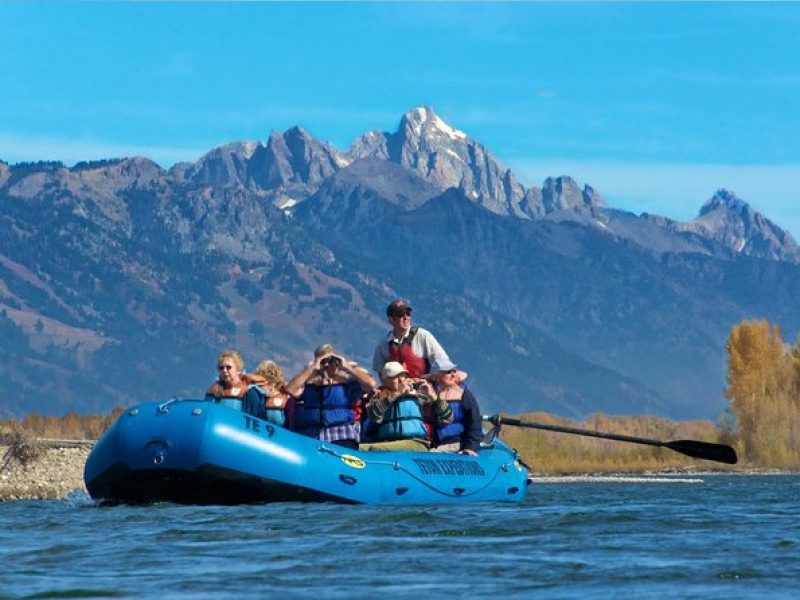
x: 693, y: 448
x: 706, y: 450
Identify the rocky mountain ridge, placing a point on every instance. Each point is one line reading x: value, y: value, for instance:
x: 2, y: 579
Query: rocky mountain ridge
x: 119, y: 280
x: 290, y: 167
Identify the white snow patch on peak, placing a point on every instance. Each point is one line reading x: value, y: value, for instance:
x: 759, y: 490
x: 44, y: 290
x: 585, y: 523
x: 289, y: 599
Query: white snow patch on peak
x: 417, y: 117
x: 249, y: 148
x: 423, y: 117
x: 342, y: 161
x: 740, y: 244
x: 285, y: 202
x: 453, y: 154
x: 245, y: 147
x: 447, y: 130
x: 420, y: 114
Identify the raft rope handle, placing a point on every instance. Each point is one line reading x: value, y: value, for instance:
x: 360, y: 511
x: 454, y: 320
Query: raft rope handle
x: 452, y: 495
x: 398, y: 467
x: 164, y: 407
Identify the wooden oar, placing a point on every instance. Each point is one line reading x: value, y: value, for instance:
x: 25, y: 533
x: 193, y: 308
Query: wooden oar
x: 693, y: 448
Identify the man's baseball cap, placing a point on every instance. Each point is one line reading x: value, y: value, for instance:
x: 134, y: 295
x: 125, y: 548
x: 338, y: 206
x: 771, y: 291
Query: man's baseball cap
x: 392, y: 369
x: 398, y: 308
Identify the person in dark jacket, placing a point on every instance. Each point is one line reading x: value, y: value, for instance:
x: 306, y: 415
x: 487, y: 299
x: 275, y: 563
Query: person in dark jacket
x: 464, y: 433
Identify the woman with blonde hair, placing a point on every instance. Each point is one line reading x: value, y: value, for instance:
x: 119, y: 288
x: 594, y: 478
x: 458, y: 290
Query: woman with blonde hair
x: 236, y: 389
x: 280, y: 404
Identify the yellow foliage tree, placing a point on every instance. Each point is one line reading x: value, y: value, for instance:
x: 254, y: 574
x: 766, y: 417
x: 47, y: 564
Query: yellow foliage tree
x: 761, y: 386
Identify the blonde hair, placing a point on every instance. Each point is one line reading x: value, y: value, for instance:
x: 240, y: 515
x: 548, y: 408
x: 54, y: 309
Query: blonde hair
x: 270, y: 371
x: 234, y: 355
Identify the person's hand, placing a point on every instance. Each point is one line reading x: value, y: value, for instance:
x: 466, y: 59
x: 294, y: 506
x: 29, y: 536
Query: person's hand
x: 331, y: 360
x: 468, y: 452
x: 315, y: 366
x: 424, y: 386
x: 348, y: 365
x: 343, y: 362
x: 421, y: 386
x: 407, y: 387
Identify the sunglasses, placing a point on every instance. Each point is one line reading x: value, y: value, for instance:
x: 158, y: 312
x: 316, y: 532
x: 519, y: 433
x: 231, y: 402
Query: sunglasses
x: 225, y: 367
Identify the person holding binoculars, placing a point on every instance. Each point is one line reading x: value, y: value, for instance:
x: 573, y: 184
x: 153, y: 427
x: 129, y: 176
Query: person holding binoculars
x: 328, y: 390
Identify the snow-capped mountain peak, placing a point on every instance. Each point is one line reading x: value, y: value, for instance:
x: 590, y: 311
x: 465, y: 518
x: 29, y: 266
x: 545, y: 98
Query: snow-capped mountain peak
x: 731, y: 221
x: 425, y: 123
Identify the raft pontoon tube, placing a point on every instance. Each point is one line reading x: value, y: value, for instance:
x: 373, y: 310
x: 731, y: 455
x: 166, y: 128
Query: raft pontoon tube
x: 199, y: 452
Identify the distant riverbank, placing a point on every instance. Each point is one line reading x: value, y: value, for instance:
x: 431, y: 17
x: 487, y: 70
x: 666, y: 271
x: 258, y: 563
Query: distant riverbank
x: 53, y: 475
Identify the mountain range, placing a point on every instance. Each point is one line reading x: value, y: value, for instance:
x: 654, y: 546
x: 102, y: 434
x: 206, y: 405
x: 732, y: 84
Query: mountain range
x: 120, y: 280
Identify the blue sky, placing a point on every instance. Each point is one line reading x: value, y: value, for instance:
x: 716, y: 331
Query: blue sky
x: 656, y: 105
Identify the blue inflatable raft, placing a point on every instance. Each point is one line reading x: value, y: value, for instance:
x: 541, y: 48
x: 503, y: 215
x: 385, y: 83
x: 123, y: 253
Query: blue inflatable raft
x: 198, y: 452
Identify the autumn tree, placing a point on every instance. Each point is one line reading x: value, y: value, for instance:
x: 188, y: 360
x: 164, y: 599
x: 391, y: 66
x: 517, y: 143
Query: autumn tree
x: 761, y: 387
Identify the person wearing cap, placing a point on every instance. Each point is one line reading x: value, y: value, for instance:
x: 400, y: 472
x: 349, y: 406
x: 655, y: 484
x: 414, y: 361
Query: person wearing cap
x: 402, y: 410
x: 464, y: 433
x: 328, y: 390
x: 413, y: 347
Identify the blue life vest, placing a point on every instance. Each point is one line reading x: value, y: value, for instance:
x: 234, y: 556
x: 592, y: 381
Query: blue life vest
x: 235, y: 403
x: 402, y: 421
x: 265, y: 406
x: 369, y: 431
x: 451, y: 432
x: 323, y: 406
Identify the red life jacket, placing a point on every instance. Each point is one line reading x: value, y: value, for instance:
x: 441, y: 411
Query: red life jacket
x: 417, y: 366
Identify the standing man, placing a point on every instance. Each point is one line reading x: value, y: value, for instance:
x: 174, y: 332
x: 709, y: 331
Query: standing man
x: 413, y: 347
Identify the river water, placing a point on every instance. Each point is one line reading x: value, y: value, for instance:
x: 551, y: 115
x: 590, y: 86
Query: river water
x: 696, y: 536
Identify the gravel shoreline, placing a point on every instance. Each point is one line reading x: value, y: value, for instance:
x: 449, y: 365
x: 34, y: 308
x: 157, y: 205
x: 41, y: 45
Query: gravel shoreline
x: 59, y: 473
x: 54, y: 475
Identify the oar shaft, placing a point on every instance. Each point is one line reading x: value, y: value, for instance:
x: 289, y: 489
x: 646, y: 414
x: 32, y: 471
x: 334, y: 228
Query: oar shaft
x: 584, y: 432
x: 693, y: 448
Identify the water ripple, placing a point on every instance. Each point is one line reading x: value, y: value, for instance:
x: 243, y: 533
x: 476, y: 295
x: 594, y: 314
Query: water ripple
x: 570, y: 539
